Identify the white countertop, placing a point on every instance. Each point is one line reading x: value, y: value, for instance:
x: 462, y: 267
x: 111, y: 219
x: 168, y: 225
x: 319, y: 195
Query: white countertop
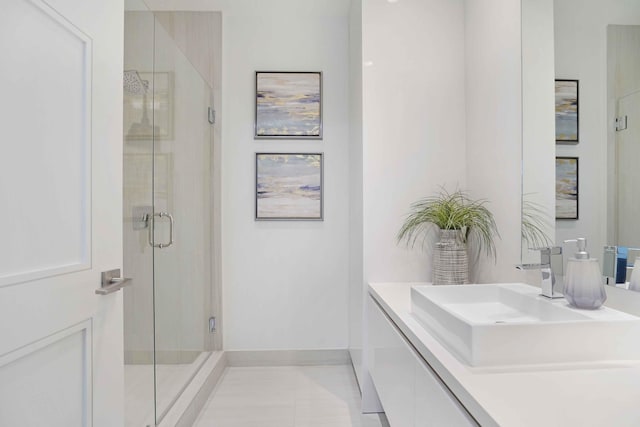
x: 599, y: 394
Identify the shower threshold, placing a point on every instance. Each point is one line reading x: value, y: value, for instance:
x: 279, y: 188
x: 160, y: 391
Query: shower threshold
x: 171, y: 380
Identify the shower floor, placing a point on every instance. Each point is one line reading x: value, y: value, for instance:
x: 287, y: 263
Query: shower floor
x: 138, y: 385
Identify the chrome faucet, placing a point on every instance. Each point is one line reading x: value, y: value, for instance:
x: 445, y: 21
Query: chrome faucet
x: 548, y: 277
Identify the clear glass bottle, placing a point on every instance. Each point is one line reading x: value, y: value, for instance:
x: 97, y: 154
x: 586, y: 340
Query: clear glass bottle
x: 584, y: 285
x: 634, y: 282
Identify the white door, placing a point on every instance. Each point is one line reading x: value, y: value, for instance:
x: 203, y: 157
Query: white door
x: 628, y: 153
x: 60, y: 212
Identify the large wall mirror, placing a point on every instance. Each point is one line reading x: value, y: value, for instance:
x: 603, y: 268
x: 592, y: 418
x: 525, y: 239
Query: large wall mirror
x: 597, y: 44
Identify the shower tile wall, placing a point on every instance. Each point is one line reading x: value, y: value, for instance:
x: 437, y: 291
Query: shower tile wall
x: 183, y: 166
x: 198, y: 36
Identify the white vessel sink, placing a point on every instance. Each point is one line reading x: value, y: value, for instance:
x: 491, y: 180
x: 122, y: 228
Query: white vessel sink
x: 506, y: 324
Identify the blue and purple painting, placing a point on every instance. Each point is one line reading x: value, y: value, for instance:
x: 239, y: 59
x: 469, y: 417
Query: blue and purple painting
x: 288, y: 186
x: 288, y: 105
x: 567, y: 110
x: 566, y: 188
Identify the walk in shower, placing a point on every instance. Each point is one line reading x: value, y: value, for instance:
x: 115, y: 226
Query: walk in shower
x: 168, y: 219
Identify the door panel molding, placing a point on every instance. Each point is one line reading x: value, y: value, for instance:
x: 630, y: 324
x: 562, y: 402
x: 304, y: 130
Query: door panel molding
x: 49, y: 200
x: 29, y: 376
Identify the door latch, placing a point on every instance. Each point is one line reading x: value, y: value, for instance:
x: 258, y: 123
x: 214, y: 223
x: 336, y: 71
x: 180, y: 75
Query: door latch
x: 112, y: 282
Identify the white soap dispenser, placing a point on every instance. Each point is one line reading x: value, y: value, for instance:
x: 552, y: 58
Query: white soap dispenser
x: 584, y: 286
x: 634, y: 283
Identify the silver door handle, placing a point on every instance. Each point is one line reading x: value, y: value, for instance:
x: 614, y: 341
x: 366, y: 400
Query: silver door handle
x: 152, y: 230
x: 112, y: 282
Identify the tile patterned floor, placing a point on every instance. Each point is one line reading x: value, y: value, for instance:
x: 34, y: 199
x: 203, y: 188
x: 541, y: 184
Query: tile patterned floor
x: 290, y: 396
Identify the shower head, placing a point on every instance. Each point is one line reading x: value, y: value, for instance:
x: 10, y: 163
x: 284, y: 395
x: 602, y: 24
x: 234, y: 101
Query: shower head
x: 133, y: 83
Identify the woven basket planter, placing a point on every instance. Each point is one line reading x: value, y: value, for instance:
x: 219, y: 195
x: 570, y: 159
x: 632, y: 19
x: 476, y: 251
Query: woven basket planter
x: 450, y: 259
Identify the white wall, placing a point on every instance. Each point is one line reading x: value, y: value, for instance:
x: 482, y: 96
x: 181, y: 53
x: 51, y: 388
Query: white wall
x: 413, y: 134
x: 284, y: 283
x: 581, y: 53
x: 413, y: 123
x: 494, y: 124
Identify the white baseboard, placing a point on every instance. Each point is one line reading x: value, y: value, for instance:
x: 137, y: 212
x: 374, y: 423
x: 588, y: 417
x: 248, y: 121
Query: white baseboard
x: 161, y: 357
x: 287, y: 357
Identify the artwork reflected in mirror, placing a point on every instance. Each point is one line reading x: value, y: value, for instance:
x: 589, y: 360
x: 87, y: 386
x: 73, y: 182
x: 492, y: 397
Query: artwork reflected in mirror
x: 567, y: 188
x: 567, y: 123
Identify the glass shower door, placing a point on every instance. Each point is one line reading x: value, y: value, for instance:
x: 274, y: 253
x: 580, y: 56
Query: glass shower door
x: 182, y: 220
x: 167, y: 218
x: 138, y: 90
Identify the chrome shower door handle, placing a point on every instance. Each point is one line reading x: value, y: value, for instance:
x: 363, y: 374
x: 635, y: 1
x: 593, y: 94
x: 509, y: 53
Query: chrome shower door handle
x: 152, y: 230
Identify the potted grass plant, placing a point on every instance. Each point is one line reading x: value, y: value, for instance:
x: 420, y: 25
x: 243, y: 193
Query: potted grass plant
x: 458, y: 221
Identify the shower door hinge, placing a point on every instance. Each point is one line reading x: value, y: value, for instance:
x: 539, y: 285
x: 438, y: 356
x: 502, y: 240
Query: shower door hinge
x: 211, y: 113
x: 212, y: 325
x: 621, y: 123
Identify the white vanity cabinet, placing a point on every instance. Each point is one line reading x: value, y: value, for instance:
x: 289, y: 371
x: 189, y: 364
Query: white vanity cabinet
x: 410, y: 392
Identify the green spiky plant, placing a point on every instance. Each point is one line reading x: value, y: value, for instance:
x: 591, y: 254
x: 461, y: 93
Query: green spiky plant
x: 534, y: 222
x: 452, y: 211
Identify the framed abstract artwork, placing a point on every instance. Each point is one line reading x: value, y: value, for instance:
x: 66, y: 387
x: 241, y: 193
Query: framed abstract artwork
x: 288, y: 105
x: 567, y: 112
x: 567, y: 190
x: 289, y: 186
